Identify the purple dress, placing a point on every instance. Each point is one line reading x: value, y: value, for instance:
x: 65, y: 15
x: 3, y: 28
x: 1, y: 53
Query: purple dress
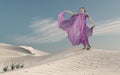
x: 76, y: 28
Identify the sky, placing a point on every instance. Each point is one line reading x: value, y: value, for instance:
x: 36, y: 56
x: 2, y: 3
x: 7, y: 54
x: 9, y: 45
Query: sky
x: 35, y: 23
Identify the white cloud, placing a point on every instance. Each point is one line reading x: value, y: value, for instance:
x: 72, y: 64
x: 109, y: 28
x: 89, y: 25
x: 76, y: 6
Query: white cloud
x: 110, y: 27
x: 44, y: 31
x: 47, y: 31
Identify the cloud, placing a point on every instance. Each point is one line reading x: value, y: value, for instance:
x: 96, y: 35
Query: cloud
x: 47, y: 31
x: 44, y: 31
x: 109, y: 27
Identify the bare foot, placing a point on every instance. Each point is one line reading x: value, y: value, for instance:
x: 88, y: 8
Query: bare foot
x: 88, y: 48
x: 84, y: 47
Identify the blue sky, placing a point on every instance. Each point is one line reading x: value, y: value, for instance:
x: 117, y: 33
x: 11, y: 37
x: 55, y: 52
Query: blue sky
x: 34, y: 23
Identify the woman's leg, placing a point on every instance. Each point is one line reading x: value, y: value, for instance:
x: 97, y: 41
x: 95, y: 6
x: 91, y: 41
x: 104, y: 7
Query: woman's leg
x: 84, y: 47
x: 88, y: 47
x: 86, y: 42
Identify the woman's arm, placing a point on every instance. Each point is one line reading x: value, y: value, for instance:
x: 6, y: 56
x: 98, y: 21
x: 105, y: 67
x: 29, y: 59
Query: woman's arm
x: 92, y: 21
x: 70, y: 12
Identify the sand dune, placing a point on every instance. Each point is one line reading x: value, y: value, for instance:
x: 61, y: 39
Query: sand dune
x: 10, y: 50
x: 10, y: 54
x: 75, y: 62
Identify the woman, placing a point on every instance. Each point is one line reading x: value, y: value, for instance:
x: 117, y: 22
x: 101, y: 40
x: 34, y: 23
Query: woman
x: 76, y: 27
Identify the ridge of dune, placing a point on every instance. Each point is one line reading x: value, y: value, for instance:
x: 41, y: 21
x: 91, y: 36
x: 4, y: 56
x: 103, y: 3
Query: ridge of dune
x: 34, y: 51
x: 76, y: 62
x: 11, y: 50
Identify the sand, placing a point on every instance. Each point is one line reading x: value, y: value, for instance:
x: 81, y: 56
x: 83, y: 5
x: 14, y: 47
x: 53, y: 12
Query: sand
x: 73, y: 61
x: 10, y: 54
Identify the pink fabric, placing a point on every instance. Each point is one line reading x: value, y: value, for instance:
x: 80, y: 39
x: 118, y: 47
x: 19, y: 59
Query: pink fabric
x: 76, y: 28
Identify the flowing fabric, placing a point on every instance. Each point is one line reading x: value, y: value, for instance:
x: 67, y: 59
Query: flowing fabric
x: 76, y: 28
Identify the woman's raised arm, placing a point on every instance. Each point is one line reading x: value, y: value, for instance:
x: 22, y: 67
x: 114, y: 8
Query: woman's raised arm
x: 70, y: 12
